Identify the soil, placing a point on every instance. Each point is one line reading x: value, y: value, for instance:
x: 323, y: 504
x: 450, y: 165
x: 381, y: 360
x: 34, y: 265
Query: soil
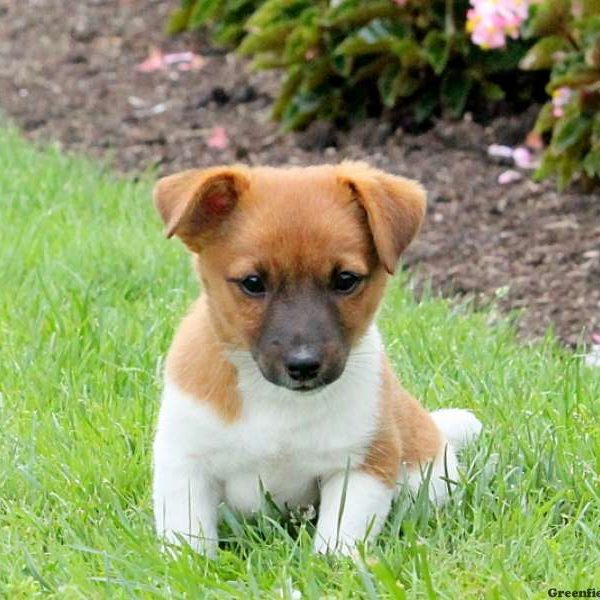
x: 67, y: 74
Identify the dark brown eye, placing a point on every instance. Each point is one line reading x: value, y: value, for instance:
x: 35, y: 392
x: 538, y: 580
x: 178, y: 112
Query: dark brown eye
x: 252, y: 285
x: 345, y: 282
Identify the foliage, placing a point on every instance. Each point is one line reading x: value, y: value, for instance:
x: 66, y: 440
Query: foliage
x: 353, y: 57
x: 90, y: 293
x: 569, y: 44
x: 226, y: 18
x: 348, y: 59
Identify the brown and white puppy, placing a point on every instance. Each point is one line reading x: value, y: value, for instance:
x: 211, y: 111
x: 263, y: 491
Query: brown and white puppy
x: 277, y: 379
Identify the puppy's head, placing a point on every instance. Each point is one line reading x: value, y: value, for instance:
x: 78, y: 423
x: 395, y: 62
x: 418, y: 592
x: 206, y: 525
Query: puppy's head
x: 293, y: 261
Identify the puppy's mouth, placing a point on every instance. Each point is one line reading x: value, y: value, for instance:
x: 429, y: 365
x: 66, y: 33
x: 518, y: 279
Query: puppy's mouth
x: 305, y: 388
x: 280, y: 376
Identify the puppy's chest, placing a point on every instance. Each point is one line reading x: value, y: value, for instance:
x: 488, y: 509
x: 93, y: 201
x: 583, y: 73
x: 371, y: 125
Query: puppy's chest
x: 306, y: 441
x: 283, y: 439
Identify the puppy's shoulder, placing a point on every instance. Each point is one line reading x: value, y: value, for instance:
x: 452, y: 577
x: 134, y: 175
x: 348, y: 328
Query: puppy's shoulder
x: 406, y: 432
x: 197, y: 364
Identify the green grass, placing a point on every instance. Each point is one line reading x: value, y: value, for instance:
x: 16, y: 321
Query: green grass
x: 89, y: 295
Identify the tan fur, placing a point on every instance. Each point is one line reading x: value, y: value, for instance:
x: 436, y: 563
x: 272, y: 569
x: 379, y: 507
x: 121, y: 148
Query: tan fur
x: 197, y: 363
x: 292, y: 223
x: 194, y: 203
x: 395, y: 208
x: 406, y: 436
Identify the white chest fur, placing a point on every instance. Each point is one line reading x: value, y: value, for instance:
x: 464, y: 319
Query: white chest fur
x: 285, y: 439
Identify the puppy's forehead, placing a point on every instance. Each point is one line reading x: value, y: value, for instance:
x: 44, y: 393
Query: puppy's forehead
x: 302, y: 219
x: 293, y: 182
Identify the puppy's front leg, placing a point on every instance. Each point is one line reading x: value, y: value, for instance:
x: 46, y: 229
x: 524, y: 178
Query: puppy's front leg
x: 185, y: 504
x: 359, y: 516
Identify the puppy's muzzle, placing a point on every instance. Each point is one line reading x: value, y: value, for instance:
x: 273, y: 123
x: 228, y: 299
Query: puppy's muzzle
x: 301, y: 345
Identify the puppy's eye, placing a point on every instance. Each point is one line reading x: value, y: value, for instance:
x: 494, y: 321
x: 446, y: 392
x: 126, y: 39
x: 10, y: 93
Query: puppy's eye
x: 345, y: 282
x: 252, y: 285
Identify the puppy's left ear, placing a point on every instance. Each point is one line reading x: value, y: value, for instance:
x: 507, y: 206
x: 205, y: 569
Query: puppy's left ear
x: 194, y: 203
x: 395, y: 207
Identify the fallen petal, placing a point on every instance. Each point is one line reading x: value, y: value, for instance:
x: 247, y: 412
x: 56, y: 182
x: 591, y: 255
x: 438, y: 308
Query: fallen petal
x: 154, y: 62
x: 524, y: 159
x: 177, y: 57
x: 499, y: 151
x: 157, y: 109
x: 509, y: 176
x: 218, y: 138
x: 195, y: 64
x: 136, y: 102
x: 183, y: 61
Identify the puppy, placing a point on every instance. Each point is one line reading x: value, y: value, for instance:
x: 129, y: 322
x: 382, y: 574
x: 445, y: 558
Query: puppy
x: 277, y: 379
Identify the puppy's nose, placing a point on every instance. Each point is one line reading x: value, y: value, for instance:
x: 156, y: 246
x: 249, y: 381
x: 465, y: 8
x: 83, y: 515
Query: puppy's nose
x: 303, y: 364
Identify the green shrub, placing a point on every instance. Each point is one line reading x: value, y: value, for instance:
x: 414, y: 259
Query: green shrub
x: 344, y: 60
x: 226, y: 18
x: 568, y: 44
x: 350, y: 59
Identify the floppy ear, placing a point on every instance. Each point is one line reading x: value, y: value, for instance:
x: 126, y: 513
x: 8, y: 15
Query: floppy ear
x: 194, y: 203
x: 395, y: 207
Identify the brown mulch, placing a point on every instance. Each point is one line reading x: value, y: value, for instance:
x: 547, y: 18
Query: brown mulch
x: 67, y: 73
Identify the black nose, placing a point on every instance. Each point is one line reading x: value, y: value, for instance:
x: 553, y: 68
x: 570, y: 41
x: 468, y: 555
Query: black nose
x: 303, y: 365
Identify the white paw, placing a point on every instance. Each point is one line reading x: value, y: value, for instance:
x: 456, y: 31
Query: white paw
x: 460, y: 426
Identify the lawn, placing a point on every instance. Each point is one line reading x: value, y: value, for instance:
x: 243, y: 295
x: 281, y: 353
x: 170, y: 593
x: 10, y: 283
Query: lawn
x: 90, y: 293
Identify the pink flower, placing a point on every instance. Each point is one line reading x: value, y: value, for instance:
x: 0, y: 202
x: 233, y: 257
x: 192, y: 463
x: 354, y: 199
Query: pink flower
x: 401, y: 2
x: 560, y: 98
x: 490, y: 21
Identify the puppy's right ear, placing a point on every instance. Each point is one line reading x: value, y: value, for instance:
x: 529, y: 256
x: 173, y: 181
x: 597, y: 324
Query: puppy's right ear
x: 194, y: 203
